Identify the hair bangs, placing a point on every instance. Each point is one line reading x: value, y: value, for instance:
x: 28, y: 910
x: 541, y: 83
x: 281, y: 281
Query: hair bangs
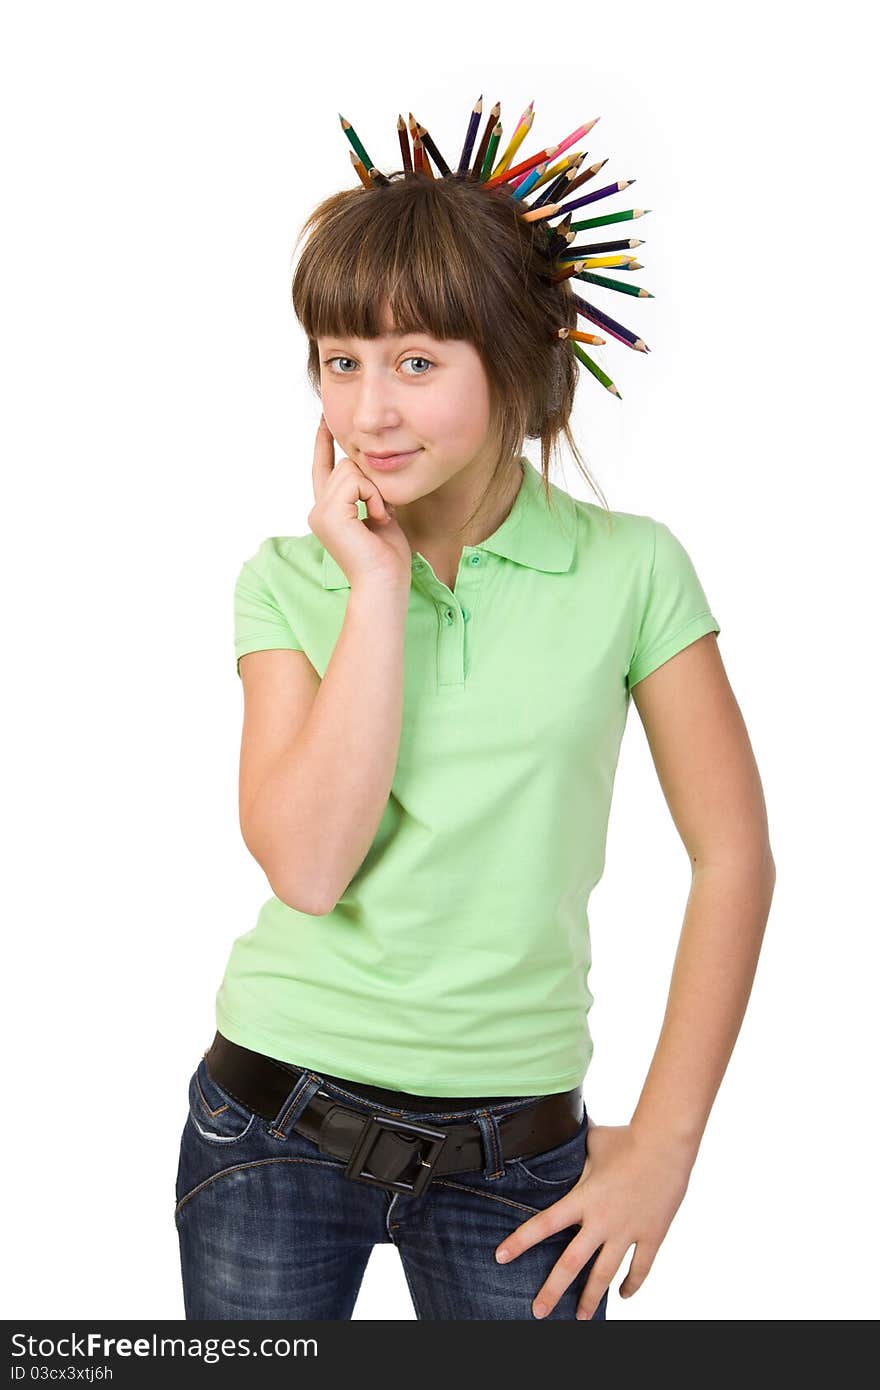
x: 396, y: 257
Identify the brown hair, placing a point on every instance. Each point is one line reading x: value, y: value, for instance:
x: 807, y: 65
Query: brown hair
x: 454, y: 259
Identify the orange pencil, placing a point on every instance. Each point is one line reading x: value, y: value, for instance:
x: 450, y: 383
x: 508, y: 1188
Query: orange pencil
x: 573, y: 269
x: 361, y: 170
x: 581, y: 336
x: 535, y: 214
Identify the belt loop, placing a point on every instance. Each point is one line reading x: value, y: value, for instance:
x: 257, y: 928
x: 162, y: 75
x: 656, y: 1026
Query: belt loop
x: 491, y: 1135
x: 295, y: 1104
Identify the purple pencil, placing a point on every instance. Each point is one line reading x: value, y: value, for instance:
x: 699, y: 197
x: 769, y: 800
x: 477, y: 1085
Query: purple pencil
x: 593, y: 197
x: 610, y: 325
x: 470, y: 137
x: 487, y: 136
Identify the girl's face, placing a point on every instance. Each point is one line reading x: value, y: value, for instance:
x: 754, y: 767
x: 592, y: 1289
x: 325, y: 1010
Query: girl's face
x: 403, y: 392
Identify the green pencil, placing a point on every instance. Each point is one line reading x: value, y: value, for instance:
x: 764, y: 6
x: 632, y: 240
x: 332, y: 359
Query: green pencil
x: 593, y: 279
x: 597, y: 371
x: 490, y: 153
x: 355, y: 142
x: 609, y: 218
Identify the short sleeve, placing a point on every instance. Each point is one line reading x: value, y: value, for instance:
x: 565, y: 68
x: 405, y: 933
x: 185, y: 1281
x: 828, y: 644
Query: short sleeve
x: 676, y: 611
x: 260, y: 624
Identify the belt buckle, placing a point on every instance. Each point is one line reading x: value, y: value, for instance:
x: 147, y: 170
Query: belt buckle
x: 355, y: 1168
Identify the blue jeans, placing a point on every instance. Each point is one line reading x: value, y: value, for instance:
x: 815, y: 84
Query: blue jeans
x: 270, y: 1226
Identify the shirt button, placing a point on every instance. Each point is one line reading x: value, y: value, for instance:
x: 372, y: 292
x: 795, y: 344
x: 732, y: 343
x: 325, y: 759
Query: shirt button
x: 465, y: 614
x: 474, y: 560
x: 449, y: 615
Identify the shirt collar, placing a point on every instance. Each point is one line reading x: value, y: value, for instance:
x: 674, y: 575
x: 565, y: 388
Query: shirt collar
x: 529, y: 535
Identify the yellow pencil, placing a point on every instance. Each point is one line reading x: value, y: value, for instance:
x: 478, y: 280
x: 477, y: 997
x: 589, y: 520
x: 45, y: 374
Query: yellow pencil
x: 596, y: 262
x: 522, y: 130
x: 560, y: 167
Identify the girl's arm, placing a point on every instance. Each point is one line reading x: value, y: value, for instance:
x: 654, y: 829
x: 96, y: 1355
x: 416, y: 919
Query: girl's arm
x: 318, y: 756
x: 636, y: 1175
x: 707, y: 771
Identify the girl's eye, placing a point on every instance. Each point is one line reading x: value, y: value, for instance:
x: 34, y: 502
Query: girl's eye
x: 329, y: 360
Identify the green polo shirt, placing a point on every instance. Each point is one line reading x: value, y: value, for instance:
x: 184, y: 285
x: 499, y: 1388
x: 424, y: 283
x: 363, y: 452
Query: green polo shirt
x: 456, y: 961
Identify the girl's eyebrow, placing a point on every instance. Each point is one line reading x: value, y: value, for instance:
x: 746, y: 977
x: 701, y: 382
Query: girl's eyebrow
x: 417, y: 333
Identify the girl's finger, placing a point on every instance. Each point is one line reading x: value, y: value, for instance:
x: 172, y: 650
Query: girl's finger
x: 324, y: 457
x: 377, y: 507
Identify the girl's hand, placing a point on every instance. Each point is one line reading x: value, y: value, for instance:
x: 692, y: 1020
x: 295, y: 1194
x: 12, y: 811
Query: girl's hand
x: 630, y: 1190
x: 372, y: 551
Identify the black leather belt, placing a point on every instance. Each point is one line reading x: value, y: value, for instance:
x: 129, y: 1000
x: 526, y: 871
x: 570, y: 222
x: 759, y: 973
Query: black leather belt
x: 381, y: 1148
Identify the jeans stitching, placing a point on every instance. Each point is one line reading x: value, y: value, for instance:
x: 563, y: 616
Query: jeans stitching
x: 253, y: 1163
x: 222, y: 1139
x: 242, y: 1104
x: 496, y: 1156
x: 203, y: 1098
x: 295, y: 1108
x: 490, y: 1196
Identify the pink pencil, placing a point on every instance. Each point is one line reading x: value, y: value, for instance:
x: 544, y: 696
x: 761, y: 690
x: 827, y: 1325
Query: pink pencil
x: 563, y: 145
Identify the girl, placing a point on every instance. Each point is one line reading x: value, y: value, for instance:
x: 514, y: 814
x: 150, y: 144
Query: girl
x: 436, y: 683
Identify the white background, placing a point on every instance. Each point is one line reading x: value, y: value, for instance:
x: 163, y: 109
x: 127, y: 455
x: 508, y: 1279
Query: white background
x: 157, y: 163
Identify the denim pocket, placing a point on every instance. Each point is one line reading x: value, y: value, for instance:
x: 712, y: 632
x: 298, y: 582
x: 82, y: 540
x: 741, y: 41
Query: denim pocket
x: 557, y: 1167
x: 215, y: 1114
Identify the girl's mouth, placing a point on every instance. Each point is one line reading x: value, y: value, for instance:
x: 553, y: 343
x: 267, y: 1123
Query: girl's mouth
x: 393, y: 460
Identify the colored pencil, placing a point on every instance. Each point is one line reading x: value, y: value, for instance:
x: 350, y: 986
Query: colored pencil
x: 564, y: 188
x: 610, y: 325
x: 579, y: 180
x: 558, y: 239
x: 360, y: 170
x: 556, y: 191
x: 609, y: 218
x: 522, y: 130
x: 566, y: 273
x: 606, y: 192
x: 536, y: 214
x: 557, y: 172
x: 637, y: 291
x: 530, y: 182
x: 490, y: 153
x: 598, y: 262
x: 404, y: 145
x: 597, y: 248
x: 526, y: 166
x: 470, y: 136
x: 425, y: 137
x: 424, y: 162
x: 576, y: 135
x: 356, y: 145
x: 419, y: 164
x: 595, y: 369
x: 581, y: 337
x: 554, y: 169
x: 484, y: 143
